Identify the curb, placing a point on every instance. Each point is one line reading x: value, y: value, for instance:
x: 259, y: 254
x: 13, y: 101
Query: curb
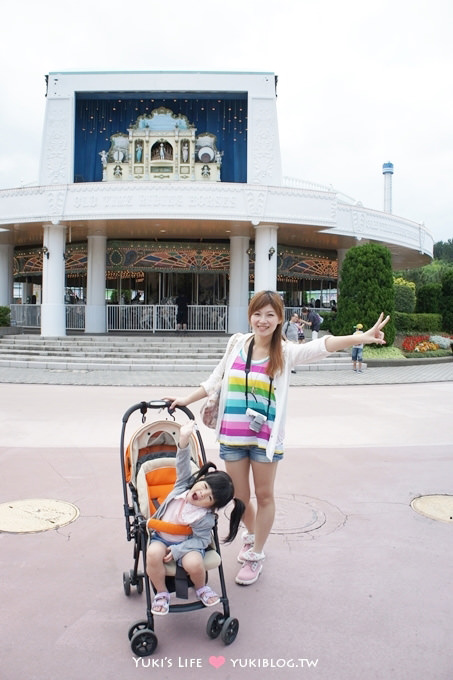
x: 388, y: 363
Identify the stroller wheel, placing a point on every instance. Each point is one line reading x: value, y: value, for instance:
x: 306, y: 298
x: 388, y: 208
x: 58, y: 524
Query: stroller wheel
x: 127, y: 583
x: 139, y: 625
x: 143, y: 642
x: 214, y: 625
x: 140, y: 585
x: 230, y: 630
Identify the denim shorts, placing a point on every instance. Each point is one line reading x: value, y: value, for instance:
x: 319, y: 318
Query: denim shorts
x: 357, y: 353
x: 233, y: 453
x: 156, y: 537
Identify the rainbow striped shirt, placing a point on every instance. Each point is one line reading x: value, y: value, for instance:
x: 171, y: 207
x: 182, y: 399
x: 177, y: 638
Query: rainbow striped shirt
x: 235, y: 429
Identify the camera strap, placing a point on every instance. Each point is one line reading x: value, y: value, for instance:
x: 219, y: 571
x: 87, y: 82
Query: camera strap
x: 248, y: 364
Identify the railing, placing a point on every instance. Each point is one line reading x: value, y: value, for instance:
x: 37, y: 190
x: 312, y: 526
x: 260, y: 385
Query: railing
x: 131, y: 318
x: 75, y: 317
x: 202, y: 318
x: 208, y: 317
x: 25, y: 316
x: 296, y: 183
x: 205, y: 318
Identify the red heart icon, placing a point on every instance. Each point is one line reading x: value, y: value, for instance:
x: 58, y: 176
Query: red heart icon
x: 217, y: 661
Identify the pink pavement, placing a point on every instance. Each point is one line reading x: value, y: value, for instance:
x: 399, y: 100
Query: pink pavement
x: 355, y: 585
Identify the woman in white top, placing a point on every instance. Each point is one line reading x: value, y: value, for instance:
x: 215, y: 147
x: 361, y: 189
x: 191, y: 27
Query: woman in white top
x: 254, y: 376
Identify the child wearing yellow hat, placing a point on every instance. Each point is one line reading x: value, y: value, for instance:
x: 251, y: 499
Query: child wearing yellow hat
x: 357, y: 350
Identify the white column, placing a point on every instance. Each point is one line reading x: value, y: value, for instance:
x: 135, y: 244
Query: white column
x: 239, y: 285
x: 53, y: 314
x: 341, y: 253
x: 265, y: 257
x: 6, y: 273
x: 95, y: 312
x: 263, y: 146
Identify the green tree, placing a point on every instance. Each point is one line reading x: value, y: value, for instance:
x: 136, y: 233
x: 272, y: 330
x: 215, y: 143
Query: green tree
x: 366, y: 289
x: 404, y: 295
x: 444, y: 251
x: 446, y: 301
x: 4, y: 316
x: 430, y: 273
x: 428, y: 298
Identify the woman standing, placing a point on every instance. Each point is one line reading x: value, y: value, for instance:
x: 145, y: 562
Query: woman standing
x: 254, y: 376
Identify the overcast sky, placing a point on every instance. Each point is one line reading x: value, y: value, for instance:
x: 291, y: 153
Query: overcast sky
x: 361, y: 82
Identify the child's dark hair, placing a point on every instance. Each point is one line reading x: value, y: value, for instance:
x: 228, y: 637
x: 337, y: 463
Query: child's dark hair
x: 222, y: 489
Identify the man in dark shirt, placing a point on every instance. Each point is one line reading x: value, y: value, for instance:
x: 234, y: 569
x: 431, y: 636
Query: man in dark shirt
x: 313, y: 321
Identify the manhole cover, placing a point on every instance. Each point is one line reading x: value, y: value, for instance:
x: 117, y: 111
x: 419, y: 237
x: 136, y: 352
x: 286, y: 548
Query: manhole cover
x: 301, y: 515
x: 36, y: 514
x: 437, y: 506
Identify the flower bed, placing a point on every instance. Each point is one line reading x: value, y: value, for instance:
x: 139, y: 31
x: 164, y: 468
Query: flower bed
x: 426, y: 343
x: 426, y: 346
x: 411, y: 342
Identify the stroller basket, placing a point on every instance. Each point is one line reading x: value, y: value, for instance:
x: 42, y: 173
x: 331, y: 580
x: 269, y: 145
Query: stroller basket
x: 148, y: 465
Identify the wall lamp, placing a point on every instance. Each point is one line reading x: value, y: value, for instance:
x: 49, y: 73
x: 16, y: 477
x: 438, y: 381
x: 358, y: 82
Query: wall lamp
x: 271, y: 252
x: 45, y: 251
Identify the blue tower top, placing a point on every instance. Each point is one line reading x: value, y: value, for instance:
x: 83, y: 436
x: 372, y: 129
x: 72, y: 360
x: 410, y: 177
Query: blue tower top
x: 387, y: 168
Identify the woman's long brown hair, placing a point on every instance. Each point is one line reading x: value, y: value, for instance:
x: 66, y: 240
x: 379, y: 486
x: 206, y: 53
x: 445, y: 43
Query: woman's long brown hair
x: 259, y: 300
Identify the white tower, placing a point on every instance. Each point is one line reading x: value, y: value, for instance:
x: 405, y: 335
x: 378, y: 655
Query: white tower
x: 387, y: 171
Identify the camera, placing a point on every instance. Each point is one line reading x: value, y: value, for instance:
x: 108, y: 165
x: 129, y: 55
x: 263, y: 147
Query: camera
x: 257, y: 421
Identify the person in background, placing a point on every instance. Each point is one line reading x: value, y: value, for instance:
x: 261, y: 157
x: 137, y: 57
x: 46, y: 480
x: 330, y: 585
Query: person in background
x: 182, y: 315
x: 300, y: 330
x: 313, y: 320
x: 290, y: 330
x: 357, y: 350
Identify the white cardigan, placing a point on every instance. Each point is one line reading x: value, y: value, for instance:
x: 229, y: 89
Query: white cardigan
x: 294, y: 355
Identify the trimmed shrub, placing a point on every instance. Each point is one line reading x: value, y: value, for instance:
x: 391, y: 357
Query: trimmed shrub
x: 404, y: 297
x: 410, y: 324
x: 4, y: 316
x: 366, y: 290
x: 446, y: 301
x: 428, y: 298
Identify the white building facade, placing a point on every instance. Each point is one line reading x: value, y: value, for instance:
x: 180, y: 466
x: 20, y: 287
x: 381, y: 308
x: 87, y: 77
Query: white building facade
x: 173, y: 181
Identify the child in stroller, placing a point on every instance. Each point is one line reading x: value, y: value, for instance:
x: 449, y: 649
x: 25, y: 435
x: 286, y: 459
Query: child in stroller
x: 191, y: 503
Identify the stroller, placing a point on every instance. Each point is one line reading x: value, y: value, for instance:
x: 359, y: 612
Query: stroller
x: 148, y: 467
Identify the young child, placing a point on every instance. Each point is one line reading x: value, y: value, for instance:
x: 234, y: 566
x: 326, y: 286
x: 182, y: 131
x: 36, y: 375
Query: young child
x: 192, y: 503
x: 357, y: 350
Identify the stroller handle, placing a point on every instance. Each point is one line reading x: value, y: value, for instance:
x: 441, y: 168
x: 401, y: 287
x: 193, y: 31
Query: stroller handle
x: 143, y: 406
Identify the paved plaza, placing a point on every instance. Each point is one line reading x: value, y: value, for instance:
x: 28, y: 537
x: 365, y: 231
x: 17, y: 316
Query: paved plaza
x: 384, y: 375
x: 356, y: 584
